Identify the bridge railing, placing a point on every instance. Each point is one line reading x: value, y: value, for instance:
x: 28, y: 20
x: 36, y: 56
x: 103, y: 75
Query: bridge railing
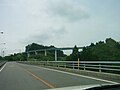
x: 2, y: 63
x: 97, y: 66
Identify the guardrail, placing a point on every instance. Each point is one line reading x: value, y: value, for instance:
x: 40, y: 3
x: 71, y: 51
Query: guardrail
x: 98, y: 66
x: 2, y: 63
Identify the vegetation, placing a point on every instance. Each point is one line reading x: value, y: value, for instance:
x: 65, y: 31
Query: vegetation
x: 0, y: 58
x: 75, y: 54
x: 16, y: 57
x: 108, y: 50
x: 41, y: 54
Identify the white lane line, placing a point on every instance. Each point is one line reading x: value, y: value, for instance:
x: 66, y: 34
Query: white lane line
x: 3, y: 67
x: 82, y: 76
x: 112, y: 82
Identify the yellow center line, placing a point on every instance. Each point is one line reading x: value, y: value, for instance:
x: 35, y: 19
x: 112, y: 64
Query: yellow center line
x: 40, y: 79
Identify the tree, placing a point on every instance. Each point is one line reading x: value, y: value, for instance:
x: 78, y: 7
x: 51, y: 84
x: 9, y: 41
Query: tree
x: 109, y: 50
x: 41, y: 54
x: 92, y: 44
x: 75, y: 54
x: 1, y: 58
x: 102, y: 51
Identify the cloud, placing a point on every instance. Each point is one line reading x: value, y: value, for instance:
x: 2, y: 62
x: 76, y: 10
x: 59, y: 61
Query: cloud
x: 51, y: 17
x: 67, y: 10
x: 48, y: 35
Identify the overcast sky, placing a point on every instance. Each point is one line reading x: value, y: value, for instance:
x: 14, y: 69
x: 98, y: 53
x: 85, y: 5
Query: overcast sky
x: 57, y: 22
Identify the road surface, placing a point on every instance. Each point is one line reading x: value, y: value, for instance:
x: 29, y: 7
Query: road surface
x: 15, y: 76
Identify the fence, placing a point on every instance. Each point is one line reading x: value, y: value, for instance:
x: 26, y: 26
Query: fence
x: 98, y: 66
x: 2, y: 63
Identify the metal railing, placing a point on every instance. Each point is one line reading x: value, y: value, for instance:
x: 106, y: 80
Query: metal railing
x: 98, y: 66
x: 2, y: 63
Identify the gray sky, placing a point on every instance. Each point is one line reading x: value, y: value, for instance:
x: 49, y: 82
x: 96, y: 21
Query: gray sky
x: 57, y: 22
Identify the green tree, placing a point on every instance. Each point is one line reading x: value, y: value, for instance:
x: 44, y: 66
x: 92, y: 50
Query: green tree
x: 75, y: 54
x: 102, y: 51
x: 41, y: 54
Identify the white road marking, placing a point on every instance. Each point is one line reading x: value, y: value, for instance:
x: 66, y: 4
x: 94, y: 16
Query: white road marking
x: 3, y: 67
x: 112, y: 82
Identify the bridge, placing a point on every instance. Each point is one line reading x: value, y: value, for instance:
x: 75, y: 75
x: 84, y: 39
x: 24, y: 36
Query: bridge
x: 51, y: 49
x: 39, y: 75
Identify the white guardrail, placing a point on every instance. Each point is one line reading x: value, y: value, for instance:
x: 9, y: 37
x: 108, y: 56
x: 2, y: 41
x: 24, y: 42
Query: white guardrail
x: 98, y: 66
x: 2, y: 63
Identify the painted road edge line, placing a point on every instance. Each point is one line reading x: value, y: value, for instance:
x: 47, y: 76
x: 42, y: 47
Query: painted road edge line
x: 79, y: 75
x: 112, y: 82
x: 3, y: 67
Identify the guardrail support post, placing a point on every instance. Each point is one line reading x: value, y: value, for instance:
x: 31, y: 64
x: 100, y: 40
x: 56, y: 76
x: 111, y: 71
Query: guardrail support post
x: 35, y: 52
x: 65, y: 66
x: 45, y: 53
x: 28, y: 55
x: 78, y: 63
x: 99, y: 67
x: 73, y: 65
x: 84, y: 67
x: 55, y: 55
x: 58, y: 65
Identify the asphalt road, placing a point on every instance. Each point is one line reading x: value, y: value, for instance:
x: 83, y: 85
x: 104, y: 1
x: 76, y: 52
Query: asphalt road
x: 15, y: 76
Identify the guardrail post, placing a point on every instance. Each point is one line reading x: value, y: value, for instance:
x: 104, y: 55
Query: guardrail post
x: 99, y: 67
x: 28, y: 55
x: 57, y: 64
x: 78, y: 63
x: 73, y: 65
x: 65, y: 66
x: 45, y: 53
x: 84, y: 67
x: 44, y: 63
x: 36, y: 53
x: 55, y: 55
x: 35, y: 62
